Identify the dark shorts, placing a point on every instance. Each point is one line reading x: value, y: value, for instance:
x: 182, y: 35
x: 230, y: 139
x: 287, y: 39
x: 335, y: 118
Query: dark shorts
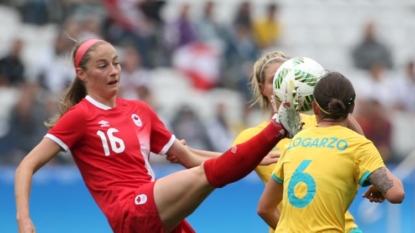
x: 140, y: 214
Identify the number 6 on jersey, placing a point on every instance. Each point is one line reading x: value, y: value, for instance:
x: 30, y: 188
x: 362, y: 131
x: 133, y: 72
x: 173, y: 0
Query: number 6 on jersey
x: 300, y: 177
x: 117, y: 144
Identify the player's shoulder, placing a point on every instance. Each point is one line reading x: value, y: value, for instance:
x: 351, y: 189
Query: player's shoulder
x: 353, y: 134
x: 132, y: 103
x: 248, y: 133
x: 252, y: 131
x: 79, y: 109
x: 308, y: 120
x: 133, y: 106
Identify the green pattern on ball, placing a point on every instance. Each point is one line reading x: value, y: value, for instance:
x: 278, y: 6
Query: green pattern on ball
x: 280, y: 77
x: 310, y: 80
x: 306, y: 106
x: 298, y: 60
x: 306, y: 78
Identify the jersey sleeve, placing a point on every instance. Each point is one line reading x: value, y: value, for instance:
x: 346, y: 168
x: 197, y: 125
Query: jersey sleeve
x: 69, y: 129
x: 278, y: 173
x: 161, y: 139
x: 368, y: 160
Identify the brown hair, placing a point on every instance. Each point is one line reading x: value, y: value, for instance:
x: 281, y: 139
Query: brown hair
x: 334, y: 95
x: 259, y: 77
x: 76, y: 91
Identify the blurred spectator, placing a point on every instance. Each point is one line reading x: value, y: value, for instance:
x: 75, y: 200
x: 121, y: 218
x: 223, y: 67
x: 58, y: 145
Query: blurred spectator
x: 243, y: 15
x: 11, y: 66
x: 135, y: 80
x: 376, y: 126
x: 377, y: 87
x: 55, y: 68
x: 268, y: 29
x: 208, y: 30
x: 370, y: 51
x: 405, y: 90
x: 240, y: 54
x: 187, y: 125
x: 26, y: 121
x: 201, y: 63
x: 90, y: 28
x: 8, y: 98
x: 218, y: 130
x: 182, y: 31
x: 152, y: 10
x: 126, y: 23
x: 35, y: 11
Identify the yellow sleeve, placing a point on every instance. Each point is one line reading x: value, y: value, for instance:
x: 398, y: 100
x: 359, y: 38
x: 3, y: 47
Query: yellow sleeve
x: 278, y: 173
x: 368, y: 160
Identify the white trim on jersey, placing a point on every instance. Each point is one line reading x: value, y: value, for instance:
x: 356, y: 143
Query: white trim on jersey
x: 168, y: 145
x: 57, y: 140
x: 96, y: 103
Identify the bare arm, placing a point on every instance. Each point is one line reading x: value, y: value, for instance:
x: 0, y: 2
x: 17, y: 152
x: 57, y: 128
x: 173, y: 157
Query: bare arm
x: 267, y: 206
x: 386, y: 183
x: 38, y: 157
x: 354, y: 125
x: 205, y: 154
x: 185, y: 156
x: 271, y: 157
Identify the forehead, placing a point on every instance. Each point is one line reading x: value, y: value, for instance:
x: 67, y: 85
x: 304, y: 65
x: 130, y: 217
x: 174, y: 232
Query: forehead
x: 271, y: 69
x: 103, y: 51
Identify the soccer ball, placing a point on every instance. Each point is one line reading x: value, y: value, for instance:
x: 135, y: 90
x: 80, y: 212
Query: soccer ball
x: 305, y: 72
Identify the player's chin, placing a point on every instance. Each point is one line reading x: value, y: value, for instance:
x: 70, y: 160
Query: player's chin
x: 112, y: 91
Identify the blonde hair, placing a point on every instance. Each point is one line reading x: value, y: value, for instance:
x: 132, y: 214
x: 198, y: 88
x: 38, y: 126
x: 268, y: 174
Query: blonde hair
x: 258, y: 77
x: 76, y: 91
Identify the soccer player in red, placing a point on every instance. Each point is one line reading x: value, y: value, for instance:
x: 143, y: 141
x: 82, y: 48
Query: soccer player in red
x: 111, y: 139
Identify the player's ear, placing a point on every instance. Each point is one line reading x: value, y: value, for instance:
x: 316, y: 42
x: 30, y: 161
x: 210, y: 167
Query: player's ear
x: 261, y: 88
x: 80, y: 74
x: 316, y: 109
x: 351, y: 109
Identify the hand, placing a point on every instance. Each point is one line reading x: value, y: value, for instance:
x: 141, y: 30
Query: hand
x: 172, y: 158
x: 374, y: 195
x: 270, y: 158
x: 26, y: 226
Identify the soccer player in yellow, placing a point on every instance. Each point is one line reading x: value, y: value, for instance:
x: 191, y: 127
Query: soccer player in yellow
x: 262, y: 88
x: 317, y: 176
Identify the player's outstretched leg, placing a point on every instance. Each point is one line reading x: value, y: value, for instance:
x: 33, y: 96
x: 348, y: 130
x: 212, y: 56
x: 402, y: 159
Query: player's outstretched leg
x: 242, y: 159
x: 179, y: 194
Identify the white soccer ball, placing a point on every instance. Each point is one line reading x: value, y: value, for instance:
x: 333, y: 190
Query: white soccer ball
x: 305, y: 72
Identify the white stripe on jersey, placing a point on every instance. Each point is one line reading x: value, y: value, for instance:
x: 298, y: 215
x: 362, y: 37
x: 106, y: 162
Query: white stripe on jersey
x: 58, y: 141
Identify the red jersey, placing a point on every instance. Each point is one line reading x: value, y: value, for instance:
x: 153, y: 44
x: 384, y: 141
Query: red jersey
x: 111, y: 146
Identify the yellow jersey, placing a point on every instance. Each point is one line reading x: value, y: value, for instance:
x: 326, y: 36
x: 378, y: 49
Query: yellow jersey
x: 321, y: 170
x: 265, y: 171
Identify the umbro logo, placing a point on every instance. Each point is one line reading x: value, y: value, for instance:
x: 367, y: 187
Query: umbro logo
x: 104, y: 123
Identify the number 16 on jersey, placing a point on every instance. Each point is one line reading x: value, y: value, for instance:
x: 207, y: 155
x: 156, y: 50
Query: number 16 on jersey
x: 117, y: 144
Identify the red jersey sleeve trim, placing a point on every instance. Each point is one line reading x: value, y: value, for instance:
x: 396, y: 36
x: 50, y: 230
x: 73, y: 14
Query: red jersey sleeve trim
x: 168, y: 145
x: 58, y: 141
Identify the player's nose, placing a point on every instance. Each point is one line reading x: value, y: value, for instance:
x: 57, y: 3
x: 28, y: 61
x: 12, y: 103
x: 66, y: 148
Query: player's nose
x: 114, y: 70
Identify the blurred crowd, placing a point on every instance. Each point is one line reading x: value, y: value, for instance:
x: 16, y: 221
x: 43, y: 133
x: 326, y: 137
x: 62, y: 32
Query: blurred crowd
x: 209, y: 53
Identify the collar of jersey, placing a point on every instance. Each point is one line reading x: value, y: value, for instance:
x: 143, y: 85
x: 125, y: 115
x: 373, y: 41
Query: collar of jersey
x: 96, y: 103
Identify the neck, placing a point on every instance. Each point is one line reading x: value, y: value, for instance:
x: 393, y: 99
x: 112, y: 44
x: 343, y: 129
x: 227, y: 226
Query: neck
x: 331, y: 122
x: 110, y: 102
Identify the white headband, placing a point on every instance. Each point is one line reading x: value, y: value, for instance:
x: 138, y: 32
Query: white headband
x: 265, y: 64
